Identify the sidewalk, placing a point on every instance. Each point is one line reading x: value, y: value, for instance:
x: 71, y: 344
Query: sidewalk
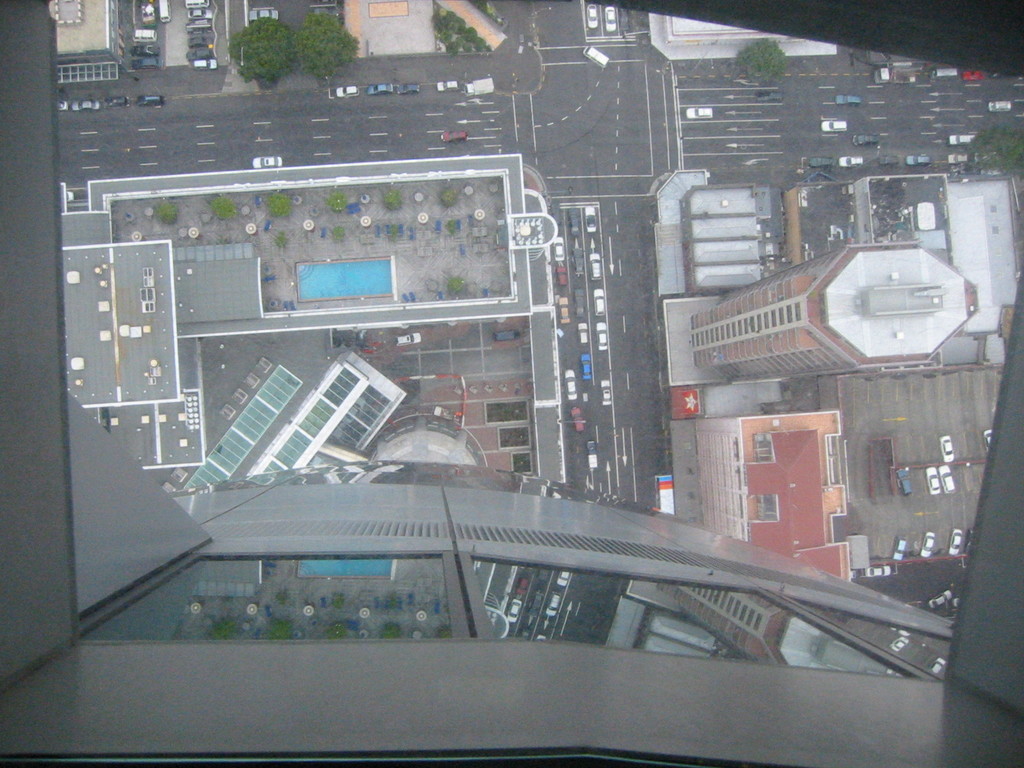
x: 481, y: 22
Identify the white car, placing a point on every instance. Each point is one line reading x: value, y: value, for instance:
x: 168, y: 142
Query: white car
x: 593, y: 17
x: 611, y: 20
x: 833, y: 126
x: 570, y: 383
x: 513, y: 610
x: 956, y: 541
x: 699, y: 113
x: 899, y: 643
x: 590, y: 218
x: 558, y: 249
x: 946, y: 446
x: 344, y: 92
x: 934, y: 484
x: 602, y: 336
x: 200, y: 13
x: 599, y: 302
x: 999, y: 106
x: 266, y: 162
x: 595, y: 266
x: 552, y: 610
x: 946, y: 476
x: 850, y: 162
x: 563, y: 579
x: 262, y: 13
x: 448, y: 85
x: 584, y: 335
x: 928, y: 546
x: 606, y: 392
x: 409, y: 338
x: 878, y: 570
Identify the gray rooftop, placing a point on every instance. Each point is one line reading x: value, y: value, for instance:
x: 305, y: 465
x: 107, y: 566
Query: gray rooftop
x: 213, y: 291
x: 119, y: 305
x: 681, y: 368
x: 720, y: 201
x: 85, y: 228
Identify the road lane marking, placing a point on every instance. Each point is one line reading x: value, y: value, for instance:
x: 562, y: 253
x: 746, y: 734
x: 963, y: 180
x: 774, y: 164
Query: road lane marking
x: 321, y: 137
x: 208, y: 125
x: 206, y: 143
x: 141, y: 130
x: 206, y: 160
x: 261, y: 122
x: 319, y: 119
x: 379, y: 134
x: 87, y: 133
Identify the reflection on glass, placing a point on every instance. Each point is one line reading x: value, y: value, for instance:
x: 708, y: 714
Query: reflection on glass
x: 533, y: 602
x: 290, y: 599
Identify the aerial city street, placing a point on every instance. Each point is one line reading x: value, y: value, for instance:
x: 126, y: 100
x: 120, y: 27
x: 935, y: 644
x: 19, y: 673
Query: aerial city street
x: 604, y: 121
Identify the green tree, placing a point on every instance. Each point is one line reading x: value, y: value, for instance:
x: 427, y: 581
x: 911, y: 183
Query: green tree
x: 265, y: 51
x: 392, y: 200
x: 323, y: 45
x: 338, y: 234
x: 280, y: 629
x: 282, y: 597
x: 279, y: 205
x: 1000, y: 149
x: 456, y: 284
x: 763, y: 59
x: 167, y: 212
x: 449, y: 196
x: 391, y: 630
x: 337, y: 201
x: 280, y: 239
x: 226, y: 629
x: 337, y: 631
x: 223, y: 207
x: 338, y: 601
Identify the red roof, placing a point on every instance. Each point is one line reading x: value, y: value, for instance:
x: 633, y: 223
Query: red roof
x: 802, y: 530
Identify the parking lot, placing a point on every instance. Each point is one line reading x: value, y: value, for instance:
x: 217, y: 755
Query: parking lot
x: 914, y: 410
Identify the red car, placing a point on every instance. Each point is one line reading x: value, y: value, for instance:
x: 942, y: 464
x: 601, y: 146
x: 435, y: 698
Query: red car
x: 972, y: 74
x: 562, y: 274
x: 577, y: 418
x: 449, y: 136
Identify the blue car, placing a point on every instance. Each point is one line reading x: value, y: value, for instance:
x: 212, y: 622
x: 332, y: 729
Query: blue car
x: 588, y: 372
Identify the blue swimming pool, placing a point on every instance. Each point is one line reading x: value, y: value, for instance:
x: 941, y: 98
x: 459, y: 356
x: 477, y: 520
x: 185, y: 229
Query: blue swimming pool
x: 344, y: 279
x: 359, y: 568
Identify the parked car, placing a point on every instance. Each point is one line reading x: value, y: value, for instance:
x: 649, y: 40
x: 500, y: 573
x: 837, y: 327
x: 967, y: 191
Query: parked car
x: 595, y: 266
x: 956, y: 542
x: 590, y: 218
x: 63, y: 105
x: 878, y: 570
x: 380, y: 89
x: 200, y: 13
x: 523, y: 585
x: 918, y: 160
x: 899, y: 643
x: 699, y: 113
x: 934, y: 484
x: 513, y: 610
x: 580, y: 299
x: 602, y: 336
x: 85, y: 105
x: 570, y: 383
x: 552, y: 609
x: 563, y: 579
x: 453, y: 136
x: 593, y: 17
x: 903, y: 481
x: 147, y: 62
x: 946, y: 447
x: 1000, y: 106
x: 972, y: 74
x: 448, y: 85
x: 558, y: 249
x: 584, y: 335
x: 117, y: 101
x: 205, y: 62
x: 820, y: 162
x: 768, y: 97
x: 928, y: 545
x: 576, y: 413
x: 343, y: 92
x: 941, y: 599
x: 262, y: 13
x: 850, y: 161
x: 611, y: 19
x: 946, y: 476
x: 409, y: 88
x: 592, y: 454
x: 866, y: 139
x: 606, y: 392
x: 848, y: 99
x: 509, y: 334
x: 149, y: 101
x: 561, y: 274
x: 147, y: 49
x: 888, y: 160
x: 407, y: 339
x: 599, y: 302
x: 267, y: 162
x: 961, y: 138
x: 563, y: 309
x: 900, y: 548
x: 586, y: 367
x: 987, y: 434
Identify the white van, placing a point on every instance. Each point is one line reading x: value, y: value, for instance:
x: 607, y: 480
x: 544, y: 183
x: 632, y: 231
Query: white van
x: 945, y: 72
x: 145, y: 35
x: 197, y: 4
x: 165, y: 11
x: 596, y: 56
